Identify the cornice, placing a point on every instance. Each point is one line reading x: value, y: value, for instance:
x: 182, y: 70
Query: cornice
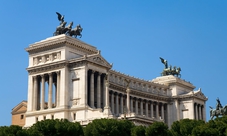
x: 172, y: 80
x: 47, y: 67
x: 60, y: 41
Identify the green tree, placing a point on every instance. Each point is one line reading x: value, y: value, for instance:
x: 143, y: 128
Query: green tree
x: 157, y: 129
x: 12, y: 130
x: 56, y: 128
x: 184, y: 127
x: 138, y: 131
x: 110, y: 127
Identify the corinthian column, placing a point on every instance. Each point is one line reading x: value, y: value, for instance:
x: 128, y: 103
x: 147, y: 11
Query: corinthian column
x: 99, y: 91
x: 92, y: 90
x: 50, y: 91
x: 35, y: 93
x: 107, y: 111
x: 58, y: 88
x: 128, y: 100
x: 43, y: 92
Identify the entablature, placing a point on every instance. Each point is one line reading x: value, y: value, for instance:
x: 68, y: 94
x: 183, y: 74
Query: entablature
x: 47, y: 67
x: 59, y: 41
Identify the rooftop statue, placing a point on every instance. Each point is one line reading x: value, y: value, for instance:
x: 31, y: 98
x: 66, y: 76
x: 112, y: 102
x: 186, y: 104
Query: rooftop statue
x: 219, y: 110
x: 63, y: 29
x: 76, y: 31
x: 169, y: 70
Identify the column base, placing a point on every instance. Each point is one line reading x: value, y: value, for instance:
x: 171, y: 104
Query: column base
x: 107, y: 112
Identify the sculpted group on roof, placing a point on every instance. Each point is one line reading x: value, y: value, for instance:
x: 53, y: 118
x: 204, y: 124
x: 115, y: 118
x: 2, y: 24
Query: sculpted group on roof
x: 62, y: 29
x: 169, y: 70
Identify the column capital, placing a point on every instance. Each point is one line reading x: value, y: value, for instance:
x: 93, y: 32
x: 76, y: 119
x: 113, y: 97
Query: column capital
x: 34, y: 77
x: 107, y: 84
x: 58, y: 72
x: 42, y: 75
x: 128, y: 90
x: 50, y: 74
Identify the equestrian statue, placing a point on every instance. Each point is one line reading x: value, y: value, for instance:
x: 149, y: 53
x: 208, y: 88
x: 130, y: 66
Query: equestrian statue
x: 219, y: 110
x: 169, y: 70
x: 63, y: 29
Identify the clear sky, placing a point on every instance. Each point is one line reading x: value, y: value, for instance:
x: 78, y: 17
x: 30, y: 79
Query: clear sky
x: 131, y: 34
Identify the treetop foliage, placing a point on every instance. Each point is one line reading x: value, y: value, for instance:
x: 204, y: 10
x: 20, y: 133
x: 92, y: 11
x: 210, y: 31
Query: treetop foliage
x: 114, y: 127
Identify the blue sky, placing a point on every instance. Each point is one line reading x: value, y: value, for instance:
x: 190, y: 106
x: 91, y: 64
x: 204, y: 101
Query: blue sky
x: 131, y: 34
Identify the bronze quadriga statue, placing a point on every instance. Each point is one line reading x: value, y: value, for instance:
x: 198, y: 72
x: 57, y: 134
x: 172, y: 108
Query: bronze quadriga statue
x: 63, y: 29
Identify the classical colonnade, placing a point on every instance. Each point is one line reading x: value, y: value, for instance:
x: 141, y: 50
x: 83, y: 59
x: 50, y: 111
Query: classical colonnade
x: 51, y: 79
x: 120, y: 103
x: 199, y: 111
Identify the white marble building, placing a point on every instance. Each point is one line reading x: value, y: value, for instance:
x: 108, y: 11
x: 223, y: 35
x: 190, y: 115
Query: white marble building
x: 70, y: 79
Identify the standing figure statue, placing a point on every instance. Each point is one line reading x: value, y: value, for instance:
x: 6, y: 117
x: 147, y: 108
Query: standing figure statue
x: 61, y: 28
x: 165, y: 62
x: 218, y: 105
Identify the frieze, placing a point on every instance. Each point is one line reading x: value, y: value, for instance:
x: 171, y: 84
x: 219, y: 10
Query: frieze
x: 46, y: 67
x: 46, y: 58
x: 77, y: 64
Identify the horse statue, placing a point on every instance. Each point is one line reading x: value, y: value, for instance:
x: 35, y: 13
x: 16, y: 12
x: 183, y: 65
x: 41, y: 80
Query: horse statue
x: 216, y: 113
x: 67, y: 28
x: 76, y: 31
x: 168, y: 70
x: 60, y: 29
x: 176, y: 71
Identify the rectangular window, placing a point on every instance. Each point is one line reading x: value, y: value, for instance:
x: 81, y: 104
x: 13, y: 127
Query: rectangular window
x: 44, y: 117
x: 74, y: 116
x: 52, y: 116
x: 37, y: 119
x: 21, y: 116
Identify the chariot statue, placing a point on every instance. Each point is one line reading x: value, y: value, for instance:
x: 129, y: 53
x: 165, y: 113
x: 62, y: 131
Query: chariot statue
x: 218, y: 111
x: 169, y: 70
x: 63, y: 29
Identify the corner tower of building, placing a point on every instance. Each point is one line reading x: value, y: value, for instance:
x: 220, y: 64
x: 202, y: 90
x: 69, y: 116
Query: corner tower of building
x: 57, y: 81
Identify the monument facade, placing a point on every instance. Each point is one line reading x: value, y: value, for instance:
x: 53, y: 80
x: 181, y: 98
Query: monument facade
x: 68, y: 78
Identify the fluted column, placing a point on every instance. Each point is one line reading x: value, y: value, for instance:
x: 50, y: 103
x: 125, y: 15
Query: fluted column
x: 43, y: 92
x: 35, y: 93
x: 204, y: 112
x: 162, y: 111
x: 117, y: 104
x: 112, y: 103
x: 92, y: 101
x: 157, y: 111
x: 107, y: 111
x: 50, y: 91
x: 121, y: 104
x: 58, y: 89
x: 99, y: 91
x: 146, y: 108
x: 151, y: 107
x: 199, y: 107
x: 141, y: 107
x: 131, y: 104
x: 136, y: 106
x: 107, y: 96
x: 128, y: 100
x: 104, y: 92
x: 196, y: 112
